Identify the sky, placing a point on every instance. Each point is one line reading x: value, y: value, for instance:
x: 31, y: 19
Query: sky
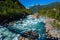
x: 28, y: 3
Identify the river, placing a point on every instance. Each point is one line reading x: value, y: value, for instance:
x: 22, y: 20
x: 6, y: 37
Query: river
x: 10, y: 32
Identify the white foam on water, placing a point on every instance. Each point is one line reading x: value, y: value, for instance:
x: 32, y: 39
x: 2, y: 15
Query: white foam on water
x: 28, y: 23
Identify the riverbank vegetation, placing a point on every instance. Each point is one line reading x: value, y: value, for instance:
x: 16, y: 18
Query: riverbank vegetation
x: 56, y: 24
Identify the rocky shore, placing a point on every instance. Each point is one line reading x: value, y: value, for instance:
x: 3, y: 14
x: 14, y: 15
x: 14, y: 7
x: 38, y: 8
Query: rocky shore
x: 28, y: 35
x: 50, y: 30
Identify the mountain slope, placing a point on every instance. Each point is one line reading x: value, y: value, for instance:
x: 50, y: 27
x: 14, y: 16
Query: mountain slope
x: 51, y: 10
x: 11, y: 10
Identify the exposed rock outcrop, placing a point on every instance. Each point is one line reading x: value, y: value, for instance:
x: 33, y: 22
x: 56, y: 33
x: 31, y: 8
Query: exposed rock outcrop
x: 51, y: 31
x: 28, y: 35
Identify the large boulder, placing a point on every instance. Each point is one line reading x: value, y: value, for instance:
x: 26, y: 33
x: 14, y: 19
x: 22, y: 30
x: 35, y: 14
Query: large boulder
x: 30, y: 34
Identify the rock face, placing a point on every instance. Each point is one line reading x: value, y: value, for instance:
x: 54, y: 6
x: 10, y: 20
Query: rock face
x: 28, y: 35
x: 35, y: 15
x: 51, y: 31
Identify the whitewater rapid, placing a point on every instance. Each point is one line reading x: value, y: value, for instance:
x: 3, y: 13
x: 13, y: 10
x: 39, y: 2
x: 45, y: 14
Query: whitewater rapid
x: 18, y: 27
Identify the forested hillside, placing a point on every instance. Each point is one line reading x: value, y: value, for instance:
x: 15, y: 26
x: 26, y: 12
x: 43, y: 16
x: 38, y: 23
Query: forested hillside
x: 12, y: 10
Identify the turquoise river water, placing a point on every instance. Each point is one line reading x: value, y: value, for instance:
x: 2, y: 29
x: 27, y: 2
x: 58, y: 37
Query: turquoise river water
x: 11, y: 32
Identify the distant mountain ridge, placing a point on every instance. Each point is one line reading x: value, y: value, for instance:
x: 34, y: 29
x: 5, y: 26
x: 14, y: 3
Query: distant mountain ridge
x: 35, y: 8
